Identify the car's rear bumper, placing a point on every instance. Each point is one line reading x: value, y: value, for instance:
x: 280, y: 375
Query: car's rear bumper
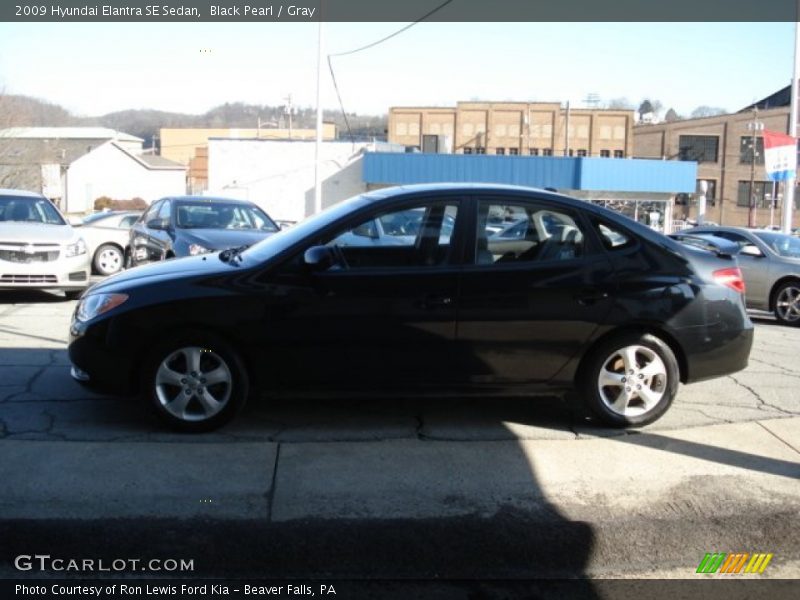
x: 715, y: 353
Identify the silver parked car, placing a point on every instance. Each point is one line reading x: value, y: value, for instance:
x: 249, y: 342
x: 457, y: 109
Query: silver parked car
x: 38, y: 247
x: 770, y: 263
x: 106, y: 235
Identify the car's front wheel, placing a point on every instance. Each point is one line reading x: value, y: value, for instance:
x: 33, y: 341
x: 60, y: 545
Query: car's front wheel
x: 108, y: 259
x: 630, y: 380
x: 195, y: 382
x: 787, y: 303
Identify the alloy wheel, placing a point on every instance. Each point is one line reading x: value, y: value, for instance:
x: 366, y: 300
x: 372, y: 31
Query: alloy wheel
x: 193, y: 384
x: 632, y: 380
x: 787, y: 304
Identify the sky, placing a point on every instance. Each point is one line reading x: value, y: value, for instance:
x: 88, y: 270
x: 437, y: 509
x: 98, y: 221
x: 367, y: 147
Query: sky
x: 95, y: 68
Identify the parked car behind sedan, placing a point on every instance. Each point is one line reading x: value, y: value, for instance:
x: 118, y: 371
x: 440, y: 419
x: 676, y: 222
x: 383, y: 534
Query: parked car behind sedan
x: 587, y: 299
x: 770, y: 263
x: 189, y: 225
x: 107, y: 236
x: 38, y: 247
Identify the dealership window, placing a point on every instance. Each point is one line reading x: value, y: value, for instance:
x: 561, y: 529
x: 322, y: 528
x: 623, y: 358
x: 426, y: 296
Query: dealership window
x: 533, y: 151
x: 480, y: 150
x: 513, y: 151
x: 605, y: 153
x: 547, y: 152
x: 571, y: 152
x: 500, y: 151
x: 582, y: 152
x: 763, y: 193
x: 467, y: 150
x: 746, y: 150
x: 711, y: 191
x: 619, y: 154
x: 699, y: 148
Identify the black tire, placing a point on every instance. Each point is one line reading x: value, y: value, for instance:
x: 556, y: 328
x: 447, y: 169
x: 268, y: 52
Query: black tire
x: 73, y: 294
x: 631, y: 399
x: 787, y: 301
x: 108, y: 259
x: 179, y: 389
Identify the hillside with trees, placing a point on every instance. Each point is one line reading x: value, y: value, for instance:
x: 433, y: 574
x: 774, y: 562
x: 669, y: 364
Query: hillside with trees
x: 24, y: 111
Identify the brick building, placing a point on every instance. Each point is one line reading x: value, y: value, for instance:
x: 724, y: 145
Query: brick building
x: 514, y: 128
x: 723, y: 148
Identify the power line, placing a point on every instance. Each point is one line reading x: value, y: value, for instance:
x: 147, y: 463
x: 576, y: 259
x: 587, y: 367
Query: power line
x: 372, y: 45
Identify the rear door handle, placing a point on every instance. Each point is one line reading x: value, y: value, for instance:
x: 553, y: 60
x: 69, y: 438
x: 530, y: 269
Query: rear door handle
x: 589, y: 297
x: 435, y: 301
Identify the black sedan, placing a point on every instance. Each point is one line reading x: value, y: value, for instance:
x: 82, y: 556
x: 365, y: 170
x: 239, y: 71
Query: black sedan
x: 190, y: 225
x: 586, y: 299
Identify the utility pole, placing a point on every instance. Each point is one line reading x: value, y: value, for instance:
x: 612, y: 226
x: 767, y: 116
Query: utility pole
x: 755, y: 126
x: 318, y: 142
x: 788, y: 191
x: 288, y: 111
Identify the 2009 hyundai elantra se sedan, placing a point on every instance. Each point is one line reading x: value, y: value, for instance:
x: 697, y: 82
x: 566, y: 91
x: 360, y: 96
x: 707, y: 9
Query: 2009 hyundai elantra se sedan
x: 582, y: 299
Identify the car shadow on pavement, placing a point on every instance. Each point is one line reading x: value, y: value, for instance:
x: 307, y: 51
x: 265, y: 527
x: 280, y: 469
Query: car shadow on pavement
x: 21, y: 296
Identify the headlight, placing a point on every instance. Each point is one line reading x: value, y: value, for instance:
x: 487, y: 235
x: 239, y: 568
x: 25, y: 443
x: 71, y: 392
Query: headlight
x: 195, y: 249
x: 77, y: 248
x: 96, y: 304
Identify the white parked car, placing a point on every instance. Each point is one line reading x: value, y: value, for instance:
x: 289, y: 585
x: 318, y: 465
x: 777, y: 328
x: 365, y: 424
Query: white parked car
x: 106, y: 235
x: 38, y: 247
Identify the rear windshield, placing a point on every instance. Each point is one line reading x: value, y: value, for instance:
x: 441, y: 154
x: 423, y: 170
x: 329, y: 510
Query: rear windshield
x: 23, y: 209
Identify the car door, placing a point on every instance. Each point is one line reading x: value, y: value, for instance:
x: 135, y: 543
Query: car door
x: 139, y: 234
x: 158, y: 241
x: 529, y: 303
x: 381, y: 316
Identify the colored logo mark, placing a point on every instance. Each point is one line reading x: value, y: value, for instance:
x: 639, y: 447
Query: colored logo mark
x: 733, y: 564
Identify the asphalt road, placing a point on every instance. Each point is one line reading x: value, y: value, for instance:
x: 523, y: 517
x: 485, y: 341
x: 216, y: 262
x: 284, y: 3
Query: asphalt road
x: 456, y: 490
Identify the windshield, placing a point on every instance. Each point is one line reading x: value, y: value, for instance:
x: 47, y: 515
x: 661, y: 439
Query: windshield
x: 21, y: 209
x: 286, y: 238
x: 780, y: 243
x: 219, y: 215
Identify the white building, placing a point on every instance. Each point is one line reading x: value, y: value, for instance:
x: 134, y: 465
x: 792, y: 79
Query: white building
x: 111, y: 170
x: 279, y: 175
x: 73, y: 166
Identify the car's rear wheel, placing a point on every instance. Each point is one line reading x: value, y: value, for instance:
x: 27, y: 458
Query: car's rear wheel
x: 787, y: 303
x: 108, y: 259
x: 195, y: 382
x: 630, y: 380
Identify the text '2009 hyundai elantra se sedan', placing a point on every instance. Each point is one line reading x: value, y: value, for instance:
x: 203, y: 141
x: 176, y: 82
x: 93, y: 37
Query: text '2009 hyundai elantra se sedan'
x: 583, y: 298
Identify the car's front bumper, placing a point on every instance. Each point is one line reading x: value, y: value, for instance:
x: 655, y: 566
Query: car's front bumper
x: 63, y: 273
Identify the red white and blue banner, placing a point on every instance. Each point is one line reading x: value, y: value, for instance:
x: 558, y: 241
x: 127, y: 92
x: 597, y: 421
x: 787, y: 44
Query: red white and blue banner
x: 780, y: 155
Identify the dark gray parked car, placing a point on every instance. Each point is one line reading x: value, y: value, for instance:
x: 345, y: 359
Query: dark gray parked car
x: 770, y: 263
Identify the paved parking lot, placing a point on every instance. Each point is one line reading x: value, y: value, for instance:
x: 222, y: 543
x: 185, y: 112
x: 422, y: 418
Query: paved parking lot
x: 506, y: 488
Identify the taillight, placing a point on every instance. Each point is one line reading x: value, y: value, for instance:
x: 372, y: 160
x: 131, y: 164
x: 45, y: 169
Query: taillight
x: 731, y: 277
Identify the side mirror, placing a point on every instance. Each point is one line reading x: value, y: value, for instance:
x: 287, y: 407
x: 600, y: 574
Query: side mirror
x: 157, y: 224
x: 319, y: 258
x: 751, y: 250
